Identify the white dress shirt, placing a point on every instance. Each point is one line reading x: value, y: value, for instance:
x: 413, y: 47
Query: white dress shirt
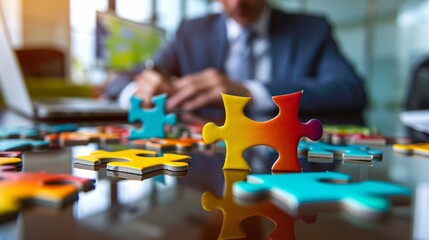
x: 260, y: 47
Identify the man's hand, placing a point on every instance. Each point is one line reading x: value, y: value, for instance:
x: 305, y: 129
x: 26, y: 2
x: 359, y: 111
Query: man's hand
x: 149, y: 84
x: 203, y: 89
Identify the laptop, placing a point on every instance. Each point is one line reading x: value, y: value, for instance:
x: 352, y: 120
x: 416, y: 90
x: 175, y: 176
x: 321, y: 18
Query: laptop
x: 17, y: 98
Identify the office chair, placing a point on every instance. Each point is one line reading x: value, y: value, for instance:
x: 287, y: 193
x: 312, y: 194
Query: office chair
x: 42, y: 62
x: 418, y: 91
x: 418, y: 96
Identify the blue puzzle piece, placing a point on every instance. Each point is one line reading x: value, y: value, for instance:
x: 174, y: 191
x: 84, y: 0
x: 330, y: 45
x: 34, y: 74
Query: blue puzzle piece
x: 153, y: 120
x: 22, y: 145
x: 18, y: 132
x: 345, y: 152
x: 306, y: 192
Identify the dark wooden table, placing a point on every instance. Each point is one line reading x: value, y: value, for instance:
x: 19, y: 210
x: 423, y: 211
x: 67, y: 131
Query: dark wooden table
x: 170, y: 207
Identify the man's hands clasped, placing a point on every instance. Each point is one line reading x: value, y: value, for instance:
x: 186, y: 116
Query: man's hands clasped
x: 190, y: 92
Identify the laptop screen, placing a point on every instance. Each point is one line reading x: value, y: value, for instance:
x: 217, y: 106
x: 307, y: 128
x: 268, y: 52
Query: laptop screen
x: 14, y: 91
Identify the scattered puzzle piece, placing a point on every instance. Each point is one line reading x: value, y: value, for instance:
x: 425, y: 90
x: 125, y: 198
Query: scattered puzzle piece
x: 22, y: 145
x: 348, y: 129
x: 363, y: 139
x: 121, y: 131
x: 234, y: 214
x: 34, y: 132
x: 306, y: 192
x: 412, y: 149
x: 169, y: 144
x: 136, y: 161
x: 17, y: 132
x: 11, y: 158
x: 281, y: 133
x: 153, y: 120
x: 337, y: 134
x: 56, y: 190
x: 344, y: 152
x: 66, y: 139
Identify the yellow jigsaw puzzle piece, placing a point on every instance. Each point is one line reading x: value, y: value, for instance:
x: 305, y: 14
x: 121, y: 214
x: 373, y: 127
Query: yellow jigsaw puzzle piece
x: 411, y: 149
x: 11, y: 158
x: 136, y: 161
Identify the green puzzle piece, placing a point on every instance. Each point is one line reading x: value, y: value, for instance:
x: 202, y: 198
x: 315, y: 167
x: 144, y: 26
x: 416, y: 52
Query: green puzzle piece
x: 302, y: 193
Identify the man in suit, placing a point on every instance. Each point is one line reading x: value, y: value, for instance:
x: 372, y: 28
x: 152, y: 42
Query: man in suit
x: 289, y: 53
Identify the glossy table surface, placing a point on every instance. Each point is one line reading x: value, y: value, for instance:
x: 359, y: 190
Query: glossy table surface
x: 185, y: 207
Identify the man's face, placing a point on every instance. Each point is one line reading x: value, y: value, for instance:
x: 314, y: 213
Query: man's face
x: 245, y: 12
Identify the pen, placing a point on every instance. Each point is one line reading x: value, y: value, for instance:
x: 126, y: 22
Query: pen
x: 150, y: 64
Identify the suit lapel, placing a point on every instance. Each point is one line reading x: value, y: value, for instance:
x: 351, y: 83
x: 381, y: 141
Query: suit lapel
x: 282, y: 46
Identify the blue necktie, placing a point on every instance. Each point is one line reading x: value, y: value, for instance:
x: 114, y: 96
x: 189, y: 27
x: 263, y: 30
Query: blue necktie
x: 243, y: 60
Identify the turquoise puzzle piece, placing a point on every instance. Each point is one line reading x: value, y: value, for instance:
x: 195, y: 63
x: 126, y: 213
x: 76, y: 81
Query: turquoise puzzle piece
x: 58, y: 128
x: 302, y: 193
x: 35, y: 132
x: 345, y: 152
x: 18, y: 132
x: 153, y: 120
x: 22, y: 145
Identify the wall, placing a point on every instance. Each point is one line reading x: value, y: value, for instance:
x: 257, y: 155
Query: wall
x: 46, y: 23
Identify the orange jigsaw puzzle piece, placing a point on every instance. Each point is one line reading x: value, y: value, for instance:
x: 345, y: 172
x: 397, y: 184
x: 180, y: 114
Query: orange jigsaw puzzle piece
x: 136, y: 161
x: 67, y: 139
x: 46, y: 189
x: 170, y: 144
x: 282, y: 133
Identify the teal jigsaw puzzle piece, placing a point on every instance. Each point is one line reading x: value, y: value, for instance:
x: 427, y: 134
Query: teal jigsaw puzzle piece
x: 344, y: 152
x: 35, y: 132
x: 58, y: 128
x: 153, y: 120
x: 302, y: 193
x: 18, y: 132
x: 22, y: 145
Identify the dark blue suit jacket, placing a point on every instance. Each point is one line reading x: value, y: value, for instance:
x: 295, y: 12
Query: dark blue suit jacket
x: 304, y: 57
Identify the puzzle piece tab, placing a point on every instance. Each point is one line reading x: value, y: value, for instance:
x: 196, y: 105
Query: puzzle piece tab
x: 234, y: 214
x: 135, y: 161
x: 421, y: 149
x: 344, y: 152
x: 153, y: 120
x: 22, y: 145
x: 11, y: 158
x: 281, y: 133
x: 306, y: 192
x: 55, y: 190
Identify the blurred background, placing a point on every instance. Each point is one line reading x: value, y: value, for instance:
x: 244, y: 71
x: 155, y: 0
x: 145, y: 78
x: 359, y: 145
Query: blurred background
x: 92, y: 40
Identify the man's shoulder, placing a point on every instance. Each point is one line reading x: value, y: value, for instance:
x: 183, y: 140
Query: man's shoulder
x: 300, y: 18
x: 202, y: 22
